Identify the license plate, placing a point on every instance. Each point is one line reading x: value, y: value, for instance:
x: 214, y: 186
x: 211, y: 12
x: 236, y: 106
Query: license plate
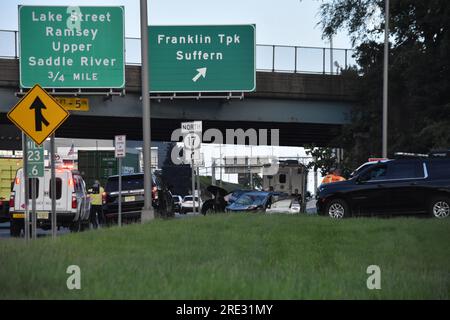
x: 18, y: 215
x: 42, y: 214
x: 130, y: 198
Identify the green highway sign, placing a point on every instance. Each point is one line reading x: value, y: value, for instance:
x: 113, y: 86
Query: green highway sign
x: 72, y: 47
x: 35, y: 159
x: 219, y: 58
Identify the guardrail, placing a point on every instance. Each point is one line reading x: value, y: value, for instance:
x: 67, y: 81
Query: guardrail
x: 270, y: 58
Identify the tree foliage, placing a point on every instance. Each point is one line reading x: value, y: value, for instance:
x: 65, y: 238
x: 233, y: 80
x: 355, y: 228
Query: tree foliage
x: 419, y: 74
x: 323, y: 159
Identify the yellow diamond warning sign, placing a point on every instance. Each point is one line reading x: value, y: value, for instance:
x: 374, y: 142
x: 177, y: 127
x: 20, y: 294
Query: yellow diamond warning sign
x: 37, y: 114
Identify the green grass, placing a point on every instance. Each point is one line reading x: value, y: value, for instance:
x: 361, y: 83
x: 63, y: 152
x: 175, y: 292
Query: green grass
x: 236, y: 257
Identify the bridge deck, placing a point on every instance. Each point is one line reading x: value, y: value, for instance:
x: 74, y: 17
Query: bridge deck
x: 307, y: 108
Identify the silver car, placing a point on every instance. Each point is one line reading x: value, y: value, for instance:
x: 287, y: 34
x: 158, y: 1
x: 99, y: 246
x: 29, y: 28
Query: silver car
x: 289, y: 206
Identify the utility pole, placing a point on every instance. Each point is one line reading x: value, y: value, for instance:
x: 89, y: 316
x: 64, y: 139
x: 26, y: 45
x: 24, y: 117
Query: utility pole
x: 147, y: 211
x: 385, y: 79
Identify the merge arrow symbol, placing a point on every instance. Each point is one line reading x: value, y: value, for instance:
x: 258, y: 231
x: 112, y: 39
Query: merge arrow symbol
x: 39, y: 119
x: 201, y: 73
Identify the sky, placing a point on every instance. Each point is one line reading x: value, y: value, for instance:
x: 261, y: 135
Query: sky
x: 281, y: 22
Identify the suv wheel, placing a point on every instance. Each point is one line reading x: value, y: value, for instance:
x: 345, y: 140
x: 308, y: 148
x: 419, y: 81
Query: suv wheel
x: 337, y: 209
x: 440, y: 207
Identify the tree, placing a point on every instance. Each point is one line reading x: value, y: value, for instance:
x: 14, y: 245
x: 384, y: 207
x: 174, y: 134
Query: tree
x: 419, y: 75
x: 244, y: 180
x: 323, y: 159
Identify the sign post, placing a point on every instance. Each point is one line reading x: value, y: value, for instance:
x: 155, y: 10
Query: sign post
x: 192, y: 142
x: 27, y: 189
x: 38, y: 115
x: 33, y: 209
x: 120, y: 152
x: 34, y: 169
x: 53, y: 184
x: 72, y: 47
x: 218, y: 58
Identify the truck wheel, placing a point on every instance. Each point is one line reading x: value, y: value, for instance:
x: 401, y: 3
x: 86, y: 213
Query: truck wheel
x: 337, y: 209
x: 15, y: 228
x: 439, y: 207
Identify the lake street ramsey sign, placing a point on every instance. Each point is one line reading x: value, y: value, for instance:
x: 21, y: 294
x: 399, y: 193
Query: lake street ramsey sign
x: 72, y: 47
x: 217, y: 58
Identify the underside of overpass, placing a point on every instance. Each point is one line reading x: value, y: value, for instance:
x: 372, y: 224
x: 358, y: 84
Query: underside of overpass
x: 290, y: 134
x: 305, y: 108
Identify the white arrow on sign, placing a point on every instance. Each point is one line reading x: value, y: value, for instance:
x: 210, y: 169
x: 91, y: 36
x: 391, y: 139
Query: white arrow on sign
x: 201, y: 73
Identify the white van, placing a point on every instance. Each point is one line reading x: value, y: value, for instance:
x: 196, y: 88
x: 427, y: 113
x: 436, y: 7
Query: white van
x: 72, y: 201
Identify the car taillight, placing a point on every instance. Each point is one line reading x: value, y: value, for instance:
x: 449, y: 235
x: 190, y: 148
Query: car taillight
x: 104, y: 197
x: 17, y: 180
x: 74, y: 201
x: 11, y: 199
x: 71, y: 182
x: 155, y: 192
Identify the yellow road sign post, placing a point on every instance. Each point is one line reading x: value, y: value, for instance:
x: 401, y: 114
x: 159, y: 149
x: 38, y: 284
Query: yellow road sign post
x: 38, y: 114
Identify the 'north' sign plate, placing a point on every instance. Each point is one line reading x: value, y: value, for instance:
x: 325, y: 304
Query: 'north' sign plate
x: 72, y: 47
x: 195, y: 126
x: 202, y: 58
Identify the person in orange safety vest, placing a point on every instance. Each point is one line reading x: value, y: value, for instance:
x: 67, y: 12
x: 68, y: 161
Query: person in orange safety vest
x: 333, y: 176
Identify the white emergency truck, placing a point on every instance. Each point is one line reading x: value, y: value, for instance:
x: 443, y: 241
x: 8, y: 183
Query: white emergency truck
x: 72, y: 201
x: 291, y: 176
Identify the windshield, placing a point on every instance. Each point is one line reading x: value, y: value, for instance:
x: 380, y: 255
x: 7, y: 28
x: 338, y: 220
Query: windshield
x: 134, y: 182
x: 189, y: 198
x: 250, y: 199
x: 360, y: 168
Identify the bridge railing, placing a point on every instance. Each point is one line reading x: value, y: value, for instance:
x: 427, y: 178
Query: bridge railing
x: 270, y: 58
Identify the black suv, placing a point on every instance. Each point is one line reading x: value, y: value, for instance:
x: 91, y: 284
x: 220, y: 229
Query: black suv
x: 133, y: 197
x: 391, y: 187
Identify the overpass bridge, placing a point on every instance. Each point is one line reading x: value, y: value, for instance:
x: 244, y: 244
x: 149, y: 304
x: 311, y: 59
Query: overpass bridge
x: 306, y: 108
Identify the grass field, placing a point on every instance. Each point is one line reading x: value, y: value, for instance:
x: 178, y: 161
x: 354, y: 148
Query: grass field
x: 236, y: 257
